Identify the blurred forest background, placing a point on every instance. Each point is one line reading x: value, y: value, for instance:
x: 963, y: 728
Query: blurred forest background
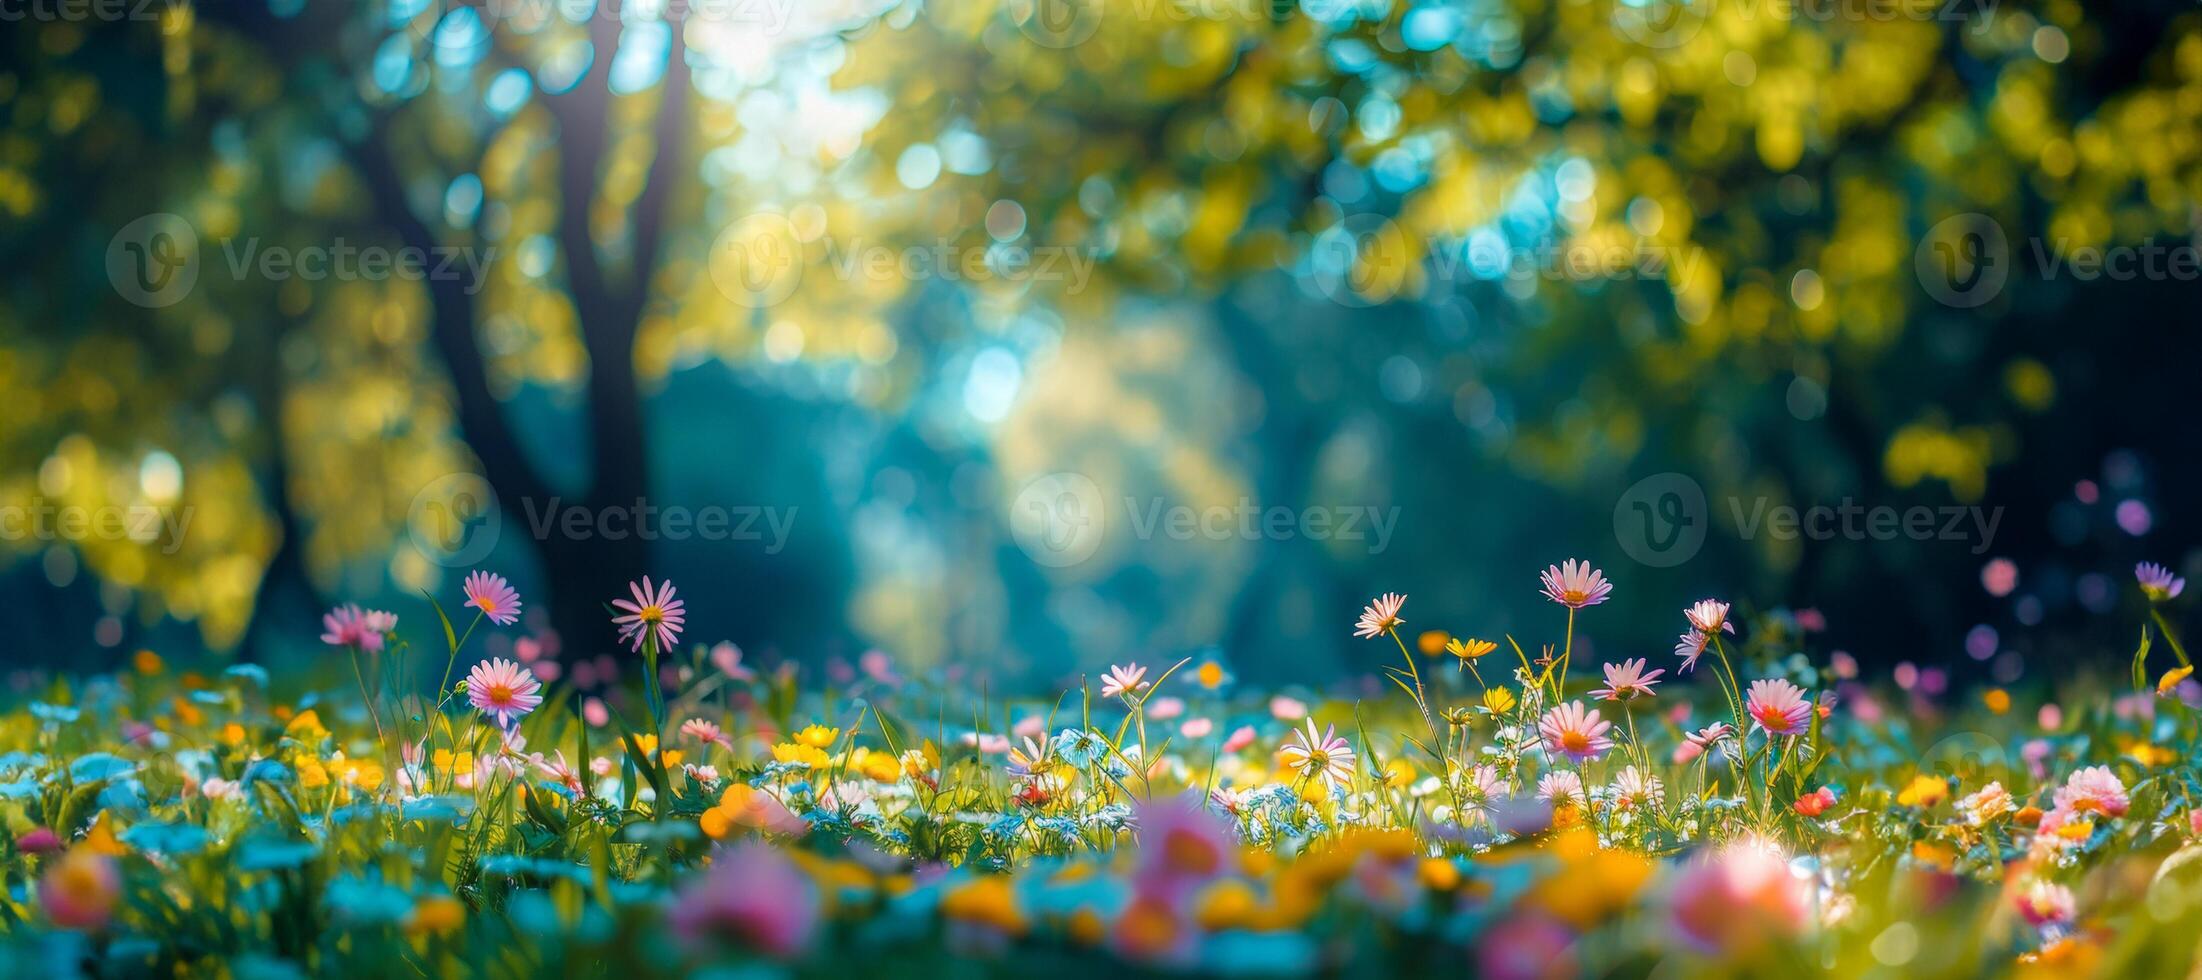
x: 1318, y: 235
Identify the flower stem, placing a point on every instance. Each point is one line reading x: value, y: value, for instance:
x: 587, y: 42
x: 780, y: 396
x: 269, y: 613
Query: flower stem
x: 2169, y: 636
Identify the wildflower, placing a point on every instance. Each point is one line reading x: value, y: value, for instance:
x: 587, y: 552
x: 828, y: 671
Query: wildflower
x: 1035, y: 760
x: 1560, y: 787
x: 1211, y: 675
x: 1398, y: 774
x: 561, y: 773
x: 2157, y: 582
x: 2170, y: 681
x: 1181, y: 844
x: 818, y: 736
x: 495, y: 597
x: 1709, y: 616
x: 1481, y: 786
x: 1239, y: 739
x: 1080, y: 747
x: 654, y: 612
x: 1123, y: 681
x: 2061, y: 829
x: 1924, y: 791
x: 1627, y: 681
x: 1433, y: 642
x: 742, y: 806
x: 1164, y: 709
x: 349, y: 626
x: 1380, y: 616
x: 502, y: 690
x: 1469, y: 649
x: 1572, y: 732
x: 2093, y: 790
x: 1633, y: 788
x: 1498, y: 700
x: 753, y: 895
x: 42, y: 840
x: 435, y: 915
x: 1690, y: 647
x: 703, y: 730
x: 1287, y: 708
x: 1738, y: 900
x: 1324, y: 755
x: 1778, y: 706
x: 1987, y: 803
x: 728, y: 659
x: 1196, y: 728
x: 80, y: 891
x: 1814, y: 803
x: 2044, y: 903
x: 1575, y: 584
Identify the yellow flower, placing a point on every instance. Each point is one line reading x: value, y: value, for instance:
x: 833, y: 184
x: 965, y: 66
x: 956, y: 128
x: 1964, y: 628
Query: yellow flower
x: 1470, y: 649
x: 1430, y: 642
x: 306, y: 726
x: 809, y: 755
x: 987, y: 901
x: 1499, y: 700
x: 879, y: 767
x: 1924, y: 792
x: 435, y: 915
x: 147, y: 662
x: 101, y: 838
x: 311, y: 773
x: 818, y: 736
x: 1997, y: 699
x: 1210, y: 675
x: 233, y: 734
x: 2171, y: 679
x: 1398, y: 774
x: 363, y: 773
x: 1228, y: 904
x: 1438, y: 874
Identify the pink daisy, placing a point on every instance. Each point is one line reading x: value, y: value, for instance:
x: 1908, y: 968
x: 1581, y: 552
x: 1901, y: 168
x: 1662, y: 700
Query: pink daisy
x: 1690, y: 647
x: 1709, y: 616
x: 1575, y: 584
x: 494, y: 596
x: 1120, y: 681
x: 654, y: 612
x: 1778, y: 706
x: 1380, y: 616
x: 1627, y: 681
x: 349, y: 626
x: 1560, y: 788
x: 502, y: 690
x: 702, y: 730
x: 1572, y: 732
x: 1324, y: 755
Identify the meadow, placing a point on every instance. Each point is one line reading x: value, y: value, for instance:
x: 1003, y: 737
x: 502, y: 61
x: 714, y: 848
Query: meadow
x: 1746, y: 805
